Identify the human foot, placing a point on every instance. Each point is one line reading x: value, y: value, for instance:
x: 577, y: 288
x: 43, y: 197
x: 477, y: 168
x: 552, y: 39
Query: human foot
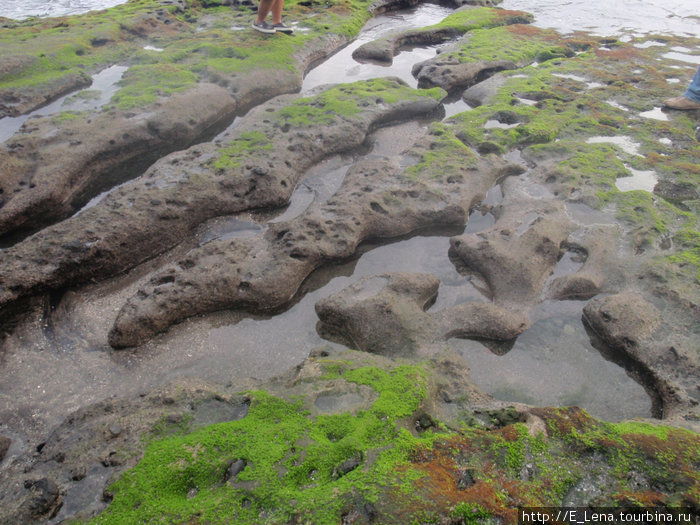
x: 681, y: 103
x: 282, y: 28
x: 263, y: 27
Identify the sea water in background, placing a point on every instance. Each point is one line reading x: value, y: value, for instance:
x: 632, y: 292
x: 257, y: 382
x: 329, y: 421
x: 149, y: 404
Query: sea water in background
x: 20, y: 9
x: 616, y: 17
x: 601, y: 17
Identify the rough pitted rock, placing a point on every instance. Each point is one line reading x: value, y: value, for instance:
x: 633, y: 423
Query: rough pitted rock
x: 601, y: 270
x: 55, y: 168
x: 386, y: 314
x: 484, y: 92
x: 633, y: 326
x: 450, y: 75
x: 384, y: 49
x: 382, y: 314
x: 5, y: 443
x: 484, y: 52
x: 17, y: 101
x: 82, y: 446
x: 257, y: 165
x: 378, y: 199
x: 42, y: 500
x: 518, y: 253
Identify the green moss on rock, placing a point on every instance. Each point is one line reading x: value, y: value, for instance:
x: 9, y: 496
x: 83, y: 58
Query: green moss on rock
x: 291, y: 465
x: 283, y: 464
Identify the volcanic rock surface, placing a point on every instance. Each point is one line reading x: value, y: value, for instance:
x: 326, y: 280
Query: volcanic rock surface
x: 565, y: 184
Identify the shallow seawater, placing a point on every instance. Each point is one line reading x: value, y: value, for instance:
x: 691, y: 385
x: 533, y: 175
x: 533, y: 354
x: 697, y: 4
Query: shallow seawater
x: 626, y: 144
x: 554, y: 363
x: 341, y: 67
x: 640, y: 180
x: 99, y: 93
x: 63, y: 362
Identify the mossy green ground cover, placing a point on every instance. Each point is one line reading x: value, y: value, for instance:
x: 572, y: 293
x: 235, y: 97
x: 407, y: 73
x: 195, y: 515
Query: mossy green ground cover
x: 346, y: 101
x: 461, y: 22
x: 294, y: 462
x: 207, y: 42
x: 553, y: 109
x: 520, y: 44
x: 479, y: 18
x: 327, y: 108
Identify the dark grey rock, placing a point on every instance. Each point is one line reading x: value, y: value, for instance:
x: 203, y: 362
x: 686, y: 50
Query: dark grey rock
x: 234, y: 468
x: 44, y: 499
x: 347, y: 466
x: 5, y: 443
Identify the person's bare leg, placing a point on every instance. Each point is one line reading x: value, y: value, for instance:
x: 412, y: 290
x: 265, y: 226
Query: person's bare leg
x: 276, y: 8
x: 264, y: 9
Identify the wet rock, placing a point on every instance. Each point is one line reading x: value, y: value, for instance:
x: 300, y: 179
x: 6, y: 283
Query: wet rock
x: 347, y: 466
x: 517, y: 254
x: 114, y: 431
x: 477, y: 56
x: 385, y: 314
x: 601, y: 270
x: 424, y: 422
x: 44, y: 499
x: 234, y: 468
x: 676, y: 192
x: 361, y: 512
x: 78, y: 472
x: 42, y: 184
x: 484, y: 92
x: 264, y: 272
x: 17, y: 101
x: 217, y: 411
x: 486, y: 321
x: 158, y: 210
x: 111, y: 459
x: 486, y: 148
x: 174, y: 419
x: 5, y: 443
x: 463, y: 21
x: 450, y: 75
x: 625, y: 320
x: 80, y: 441
x: 466, y: 479
x: 633, y: 326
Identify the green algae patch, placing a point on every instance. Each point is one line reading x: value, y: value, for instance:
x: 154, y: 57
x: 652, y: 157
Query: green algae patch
x: 443, y: 157
x: 347, y: 101
x: 537, y: 106
x: 45, y: 49
x: 143, y: 85
x: 519, y: 44
x: 288, y: 464
x: 332, y: 106
x: 200, y: 41
x: 588, y: 170
x: 241, y: 148
x: 479, y: 18
x: 455, y: 24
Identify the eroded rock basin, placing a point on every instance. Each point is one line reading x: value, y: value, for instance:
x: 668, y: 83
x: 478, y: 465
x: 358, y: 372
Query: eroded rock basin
x: 539, y: 279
